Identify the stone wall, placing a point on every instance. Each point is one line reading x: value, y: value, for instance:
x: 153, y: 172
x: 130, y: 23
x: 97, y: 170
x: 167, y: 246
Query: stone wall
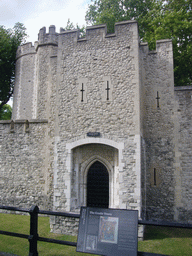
x: 92, y: 61
x: 25, y: 176
x: 110, y: 85
x: 183, y: 154
x: 158, y: 129
x: 166, y: 121
x: 25, y: 84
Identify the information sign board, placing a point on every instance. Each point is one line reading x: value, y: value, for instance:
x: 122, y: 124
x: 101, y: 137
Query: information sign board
x: 108, y: 231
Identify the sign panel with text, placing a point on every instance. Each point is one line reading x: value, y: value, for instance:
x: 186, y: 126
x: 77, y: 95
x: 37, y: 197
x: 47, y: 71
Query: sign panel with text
x: 108, y: 231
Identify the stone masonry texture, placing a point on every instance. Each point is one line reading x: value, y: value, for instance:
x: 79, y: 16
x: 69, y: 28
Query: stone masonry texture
x: 106, y: 98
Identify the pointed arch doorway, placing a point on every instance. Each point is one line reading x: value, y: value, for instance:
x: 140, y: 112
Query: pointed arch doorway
x: 98, y: 186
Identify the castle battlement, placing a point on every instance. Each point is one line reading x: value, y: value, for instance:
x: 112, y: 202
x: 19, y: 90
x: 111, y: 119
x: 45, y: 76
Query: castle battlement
x: 25, y: 49
x: 159, y: 45
x: 96, y: 32
x: 91, y: 32
x: 20, y: 126
x: 101, y: 109
x: 48, y: 38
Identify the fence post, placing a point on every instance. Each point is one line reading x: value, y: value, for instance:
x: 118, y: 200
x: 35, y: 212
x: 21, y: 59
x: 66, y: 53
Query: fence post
x: 33, y: 231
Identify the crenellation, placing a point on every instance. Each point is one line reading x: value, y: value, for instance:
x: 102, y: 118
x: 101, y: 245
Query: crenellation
x: 62, y: 30
x: 69, y: 37
x: 91, y: 31
x: 25, y: 49
x: 52, y: 30
x: 104, y: 100
x: 160, y: 45
x: 144, y: 47
x: 41, y: 35
x: 97, y: 31
x: 50, y: 38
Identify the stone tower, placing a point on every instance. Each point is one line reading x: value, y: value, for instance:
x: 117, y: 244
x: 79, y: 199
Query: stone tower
x: 105, y: 126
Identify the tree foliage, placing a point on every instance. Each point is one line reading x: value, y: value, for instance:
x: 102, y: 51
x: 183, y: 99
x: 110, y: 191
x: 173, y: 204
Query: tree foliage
x: 10, y: 39
x: 71, y: 26
x: 111, y: 11
x: 157, y: 20
x: 5, y: 112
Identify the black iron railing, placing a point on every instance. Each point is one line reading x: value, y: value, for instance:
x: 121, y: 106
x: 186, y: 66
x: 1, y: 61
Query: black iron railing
x: 33, y: 237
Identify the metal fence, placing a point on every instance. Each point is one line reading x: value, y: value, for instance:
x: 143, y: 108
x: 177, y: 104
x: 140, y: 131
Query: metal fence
x: 33, y: 237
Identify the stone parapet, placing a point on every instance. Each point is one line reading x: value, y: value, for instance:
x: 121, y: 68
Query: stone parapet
x: 100, y: 98
x: 25, y: 49
x: 24, y: 121
x: 159, y: 44
x: 183, y: 88
x: 47, y: 38
x: 51, y: 38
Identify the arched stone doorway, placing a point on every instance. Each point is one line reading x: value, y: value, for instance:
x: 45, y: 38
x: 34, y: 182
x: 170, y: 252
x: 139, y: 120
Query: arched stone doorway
x: 98, y: 186
x: 82, y: 155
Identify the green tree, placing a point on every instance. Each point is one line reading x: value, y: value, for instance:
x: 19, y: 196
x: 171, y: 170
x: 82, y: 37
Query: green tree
x: 111, y: 11
x: 10, y: 39
x: 157, y: 20
x: 174, y: 21
x: 71, y: 26
x: 5, y: 112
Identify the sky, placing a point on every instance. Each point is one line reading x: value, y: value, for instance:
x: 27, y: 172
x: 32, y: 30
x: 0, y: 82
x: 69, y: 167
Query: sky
x: 35, y: 14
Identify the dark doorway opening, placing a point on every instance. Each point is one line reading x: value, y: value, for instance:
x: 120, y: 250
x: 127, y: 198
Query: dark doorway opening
x: 98, y: 186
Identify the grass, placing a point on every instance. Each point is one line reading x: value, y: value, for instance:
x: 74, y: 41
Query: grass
x: 170, y: 241
x: 20, y: 246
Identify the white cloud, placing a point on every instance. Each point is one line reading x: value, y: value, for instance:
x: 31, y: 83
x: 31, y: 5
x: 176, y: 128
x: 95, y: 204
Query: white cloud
x: 35, y: 14
x: 7, y: 10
